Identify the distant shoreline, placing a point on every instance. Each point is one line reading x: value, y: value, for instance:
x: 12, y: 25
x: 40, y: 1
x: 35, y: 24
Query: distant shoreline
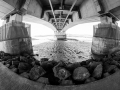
x: 39, y: 40
x: 69, y: 35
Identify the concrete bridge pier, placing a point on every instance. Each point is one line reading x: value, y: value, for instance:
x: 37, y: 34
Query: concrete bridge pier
x: 60, y: 35
x: 105, y: 37
x: 15, y: 36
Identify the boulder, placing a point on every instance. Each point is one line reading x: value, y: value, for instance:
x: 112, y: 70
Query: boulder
x: 81, y: 74
x: 97, y: 73
x: 43, y: 80
x: 91, y: 79
x: 36, y: 72
x: 25, y: 74
x: 61, y: 73
x: 23, y: 67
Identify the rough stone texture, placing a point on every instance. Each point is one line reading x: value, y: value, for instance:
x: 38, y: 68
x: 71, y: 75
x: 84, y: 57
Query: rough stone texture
x: 48, y: 65
x: 36, y: 72
x: 111, y: 69
x: 14, y: 70
x: 106, y: 36
x: 91, y: 79
x: 97, y: 73
x: 15, y: 63
x: 106, y: 74
x: 15, y: 39
x: 61, y: 72
x: 81, y: 74
x: 23, y: 67
x: 11, y: 81
x: 43, y: 80
x: 66, y: 82
x: 72, y: 66
x: 7, y: 65
x: 58, y: 73
x: 25, y: 74
x: 93, y: 64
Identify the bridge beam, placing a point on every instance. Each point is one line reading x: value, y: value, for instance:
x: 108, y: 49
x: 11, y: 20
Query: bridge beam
x: 15, y: 36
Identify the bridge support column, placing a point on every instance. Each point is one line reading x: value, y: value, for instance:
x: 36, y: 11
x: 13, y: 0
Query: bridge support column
x: 15, y: 36
x: 106, y: 36
x: 60, y: 35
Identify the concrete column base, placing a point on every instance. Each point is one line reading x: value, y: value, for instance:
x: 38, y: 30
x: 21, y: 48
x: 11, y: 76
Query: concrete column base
x: 106, y: 37
x: 60, y: 36
x: 15, y: 38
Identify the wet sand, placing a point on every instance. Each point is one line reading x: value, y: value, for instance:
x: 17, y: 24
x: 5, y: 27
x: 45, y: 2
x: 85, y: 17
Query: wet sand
x: 69, y: 51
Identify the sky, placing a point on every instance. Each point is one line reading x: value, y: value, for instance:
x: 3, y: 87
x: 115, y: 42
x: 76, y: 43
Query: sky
x: 39, y: 29
x: 82, y: 29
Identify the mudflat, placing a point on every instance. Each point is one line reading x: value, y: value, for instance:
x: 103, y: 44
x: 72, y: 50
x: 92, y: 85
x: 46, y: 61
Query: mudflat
x: 68, y: 50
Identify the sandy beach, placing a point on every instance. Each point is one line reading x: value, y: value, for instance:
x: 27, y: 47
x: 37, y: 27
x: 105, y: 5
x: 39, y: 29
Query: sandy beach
x: 68, y: 51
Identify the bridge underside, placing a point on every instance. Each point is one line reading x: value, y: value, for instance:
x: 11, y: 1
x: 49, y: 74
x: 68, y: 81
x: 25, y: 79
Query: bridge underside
x: 61, y: 14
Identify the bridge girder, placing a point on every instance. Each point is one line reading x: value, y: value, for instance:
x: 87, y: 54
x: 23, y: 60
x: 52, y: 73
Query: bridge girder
x: 82, y: 10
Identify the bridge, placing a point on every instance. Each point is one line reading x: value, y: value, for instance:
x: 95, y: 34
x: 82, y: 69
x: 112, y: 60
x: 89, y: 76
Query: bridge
x: 59, y: 15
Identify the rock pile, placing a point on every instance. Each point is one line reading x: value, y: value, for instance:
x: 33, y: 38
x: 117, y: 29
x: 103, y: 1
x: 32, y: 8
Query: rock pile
x: 61, y: 73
